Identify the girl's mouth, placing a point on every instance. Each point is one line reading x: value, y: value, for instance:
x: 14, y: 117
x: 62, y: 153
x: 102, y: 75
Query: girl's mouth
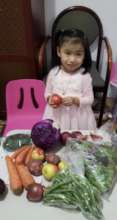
x: 71, y: 66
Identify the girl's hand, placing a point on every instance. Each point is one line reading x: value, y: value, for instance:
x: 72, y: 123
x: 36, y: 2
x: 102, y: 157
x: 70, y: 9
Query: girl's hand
x: 76, y: 101
x: 67, y: 101
x: 50, y: 102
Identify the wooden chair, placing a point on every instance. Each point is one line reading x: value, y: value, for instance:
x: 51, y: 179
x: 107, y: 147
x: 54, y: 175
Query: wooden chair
x: 89, y: 22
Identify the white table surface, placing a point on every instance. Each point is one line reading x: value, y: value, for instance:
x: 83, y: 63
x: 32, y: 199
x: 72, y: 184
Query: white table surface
x: 19, y: 208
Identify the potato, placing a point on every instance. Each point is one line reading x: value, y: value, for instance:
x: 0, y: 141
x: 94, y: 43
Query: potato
x: 35, y: 167
x: 52, y: 158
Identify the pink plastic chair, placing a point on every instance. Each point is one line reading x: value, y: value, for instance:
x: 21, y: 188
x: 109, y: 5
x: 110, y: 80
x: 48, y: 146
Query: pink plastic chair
x: 25, y: 103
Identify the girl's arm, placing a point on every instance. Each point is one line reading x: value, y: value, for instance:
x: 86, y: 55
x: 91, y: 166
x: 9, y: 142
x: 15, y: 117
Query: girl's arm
x: 48, y: 89
x: 87, y: 97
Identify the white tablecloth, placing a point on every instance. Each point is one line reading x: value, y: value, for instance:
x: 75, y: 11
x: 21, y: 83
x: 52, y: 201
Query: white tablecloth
x: 19, y: 208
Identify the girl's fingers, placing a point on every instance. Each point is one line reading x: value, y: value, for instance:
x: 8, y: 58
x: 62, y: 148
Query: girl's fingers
x: 67, y: 101
x: 67, y: 104
x: 55, y: 106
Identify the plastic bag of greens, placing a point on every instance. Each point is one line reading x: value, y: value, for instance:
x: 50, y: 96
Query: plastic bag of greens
x: 72, y: 191
x: 114, y: 139
x: 106, y: 154
x: 102, y: 177
x: 101, y: 170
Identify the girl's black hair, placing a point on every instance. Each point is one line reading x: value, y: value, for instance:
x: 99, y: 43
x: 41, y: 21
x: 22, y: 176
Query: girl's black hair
x: 64, y: 35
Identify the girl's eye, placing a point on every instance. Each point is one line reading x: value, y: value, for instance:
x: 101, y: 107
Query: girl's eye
x: 67, y: 53
x: 79, y: 54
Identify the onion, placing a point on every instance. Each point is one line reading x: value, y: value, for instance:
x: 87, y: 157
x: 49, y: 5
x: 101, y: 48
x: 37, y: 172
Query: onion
x: 3, y: 189
x: 78, y: 135
x: 35, y: 192
x: 64, y: 136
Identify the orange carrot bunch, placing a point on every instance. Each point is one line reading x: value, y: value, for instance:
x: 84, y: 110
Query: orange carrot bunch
x: 19, y: 175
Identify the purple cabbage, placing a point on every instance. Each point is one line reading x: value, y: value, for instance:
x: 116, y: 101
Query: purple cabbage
x: 44, y: 134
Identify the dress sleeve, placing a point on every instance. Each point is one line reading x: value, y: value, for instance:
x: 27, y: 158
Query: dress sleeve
x: 87, y: 97
x: 49, y: 82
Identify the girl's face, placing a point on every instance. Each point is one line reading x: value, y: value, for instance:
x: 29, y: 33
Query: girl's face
x: 71, y: 56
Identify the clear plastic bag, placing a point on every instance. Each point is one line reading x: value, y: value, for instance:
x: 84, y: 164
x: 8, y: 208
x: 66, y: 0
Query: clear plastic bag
x: 73, y: 157
x: 114, y: 139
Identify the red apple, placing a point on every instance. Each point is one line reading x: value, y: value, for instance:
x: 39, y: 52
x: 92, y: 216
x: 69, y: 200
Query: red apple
x: 38, y: 154
x: 49, y: 170
x: 56, y: 99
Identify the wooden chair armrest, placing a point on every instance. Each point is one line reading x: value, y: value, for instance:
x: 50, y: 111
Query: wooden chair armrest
x: 42, y: 53
x: 109, y: 53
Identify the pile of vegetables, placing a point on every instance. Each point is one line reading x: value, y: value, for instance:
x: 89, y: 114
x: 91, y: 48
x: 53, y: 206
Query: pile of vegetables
x: 26, y: 163
x: 44, y: 134
x: 69, y: 189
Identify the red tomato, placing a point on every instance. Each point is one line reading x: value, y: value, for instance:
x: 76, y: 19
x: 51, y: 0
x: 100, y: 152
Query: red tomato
x: 56, y: 99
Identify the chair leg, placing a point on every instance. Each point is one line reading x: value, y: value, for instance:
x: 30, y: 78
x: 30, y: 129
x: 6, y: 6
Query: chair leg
x: 102, y: 109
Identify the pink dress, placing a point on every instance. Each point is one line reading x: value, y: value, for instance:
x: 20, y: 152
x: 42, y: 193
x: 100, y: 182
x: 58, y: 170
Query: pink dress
x: 65, y: 84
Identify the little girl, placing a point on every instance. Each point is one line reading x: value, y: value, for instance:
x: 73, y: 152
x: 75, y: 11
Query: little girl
x: 71, y: 80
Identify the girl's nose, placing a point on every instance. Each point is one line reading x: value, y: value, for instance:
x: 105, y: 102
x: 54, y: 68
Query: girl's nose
x: 72, y: 58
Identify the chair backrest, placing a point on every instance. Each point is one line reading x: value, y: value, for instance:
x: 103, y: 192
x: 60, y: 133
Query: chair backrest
x: 82, y: 18
x: 25, y: 97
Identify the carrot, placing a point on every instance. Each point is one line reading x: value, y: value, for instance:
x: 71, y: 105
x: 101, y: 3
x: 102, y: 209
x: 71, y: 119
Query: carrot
x: 18, y: 151
x: 21, y: 156
x: 14, y: 178
x: 28, y: 156
x: 25, y: 175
